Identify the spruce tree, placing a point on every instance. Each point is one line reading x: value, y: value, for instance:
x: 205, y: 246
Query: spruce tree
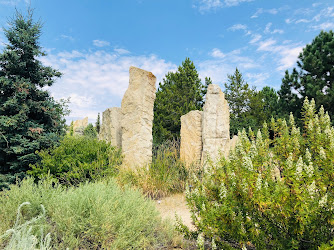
x: 179, y: 93
x: 30, y: 119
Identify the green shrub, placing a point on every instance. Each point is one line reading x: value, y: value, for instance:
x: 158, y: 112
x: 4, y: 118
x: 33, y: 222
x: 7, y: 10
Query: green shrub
x: 165, y: 175
x: 90, y: 131
x: 96, y: 215
x: 78, y: 159
x: 275, y: 190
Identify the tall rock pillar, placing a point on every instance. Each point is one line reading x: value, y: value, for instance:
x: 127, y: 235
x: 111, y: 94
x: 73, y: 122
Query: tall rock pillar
x: 111, y: 130
x: 215, y: 125
x: 191, y: 137
x: 137, y: 118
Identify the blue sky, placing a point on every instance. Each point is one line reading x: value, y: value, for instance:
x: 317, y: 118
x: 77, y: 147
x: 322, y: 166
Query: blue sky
x: 93, y: 43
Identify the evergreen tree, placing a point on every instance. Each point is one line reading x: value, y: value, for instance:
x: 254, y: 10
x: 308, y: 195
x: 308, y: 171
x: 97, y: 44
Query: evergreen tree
x: 270, y: 100
x: 179, y: 93
x: 238, y: 95
x: 98, y: 124
x: 30, y: 119
x: 249, y: 107
x: 314, y: 77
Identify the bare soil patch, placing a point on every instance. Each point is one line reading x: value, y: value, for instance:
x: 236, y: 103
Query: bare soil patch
x: 175, y: 205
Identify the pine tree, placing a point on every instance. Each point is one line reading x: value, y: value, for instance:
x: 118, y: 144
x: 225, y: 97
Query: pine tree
x: 179, y: 93
x: 248, y: 107
x: 30, y: 119
x: 314, y: 77
x: 98, y: 124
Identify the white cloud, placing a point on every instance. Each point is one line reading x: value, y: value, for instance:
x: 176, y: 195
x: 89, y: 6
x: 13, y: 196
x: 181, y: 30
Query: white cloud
x: 268, y: 31
x: 303, y: 20
x: 229, y: 3
x: 287, y: 53
x: 209, y: 5
x: 217, y: 53
x: 288, y: 20
x: 324, y: 13
x: 304, y: 15
x: 261, y: 11
x: 67, y: 37
x: 266, y: 45
x: 323, y: 26
x: 13, y: 2
x: 220, y: 65
x: 255, y: 38
x: 97, y: 80
x: 238, y: 27
x: 122, y: 51
x: 289, y: 56
x: 258, y: 79
x: 100, y: 43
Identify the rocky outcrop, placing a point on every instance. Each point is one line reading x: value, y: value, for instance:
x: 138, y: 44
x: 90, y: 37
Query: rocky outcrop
x: 215, y: 125
x: 137, y: 118
x: 191, y: 137
x: 111, y: 130
x: 79, y: 126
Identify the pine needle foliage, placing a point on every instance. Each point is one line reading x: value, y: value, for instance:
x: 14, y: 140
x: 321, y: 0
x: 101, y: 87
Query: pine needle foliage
x: 30, y: 119
x: 275, y: 191
x: 179, y: 93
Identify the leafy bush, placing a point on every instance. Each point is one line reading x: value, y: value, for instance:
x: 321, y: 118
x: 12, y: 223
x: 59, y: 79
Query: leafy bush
x: 90, y: 131
x: 275, y: 190
x: 96, y: 215
x: 165, y: 175
x: 78, y: 159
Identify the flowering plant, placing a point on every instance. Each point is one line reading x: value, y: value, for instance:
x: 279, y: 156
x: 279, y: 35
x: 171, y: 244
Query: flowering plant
x: 276, y: 188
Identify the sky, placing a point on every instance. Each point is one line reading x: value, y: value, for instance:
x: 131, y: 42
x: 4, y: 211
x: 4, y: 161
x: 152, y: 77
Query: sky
x: 93, y: 43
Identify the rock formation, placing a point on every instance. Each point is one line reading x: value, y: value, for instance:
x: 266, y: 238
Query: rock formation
x: 191, y: 137
x: 111, y: 130
x: 215, y: 124
x: 79, y: 126
x: 137, y: 118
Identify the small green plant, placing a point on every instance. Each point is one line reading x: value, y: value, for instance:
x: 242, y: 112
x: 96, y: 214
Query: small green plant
x: 22, y: 237
x: 275, y: 190
x: 78, y: 159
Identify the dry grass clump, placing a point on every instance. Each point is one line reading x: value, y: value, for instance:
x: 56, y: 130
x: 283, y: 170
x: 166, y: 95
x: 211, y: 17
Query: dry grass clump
x: 166, y: 174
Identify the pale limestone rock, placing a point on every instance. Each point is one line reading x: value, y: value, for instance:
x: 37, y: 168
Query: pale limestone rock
x: 191, y: 137
x: 111, y: 130
x: 233, y: 142
x: 215, y: 125
x: 79, y: 126
x: 137, y: 118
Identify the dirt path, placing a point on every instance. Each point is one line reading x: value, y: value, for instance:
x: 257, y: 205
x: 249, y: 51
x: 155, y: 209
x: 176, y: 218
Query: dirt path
x: 175, y: 204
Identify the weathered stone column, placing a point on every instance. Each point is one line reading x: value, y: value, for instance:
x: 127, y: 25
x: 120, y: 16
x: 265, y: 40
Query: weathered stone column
x: 111, y: 130
x: 137, y: 118
x: 215, y: 125
x: 191, y: 137
x: 79, y: 126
